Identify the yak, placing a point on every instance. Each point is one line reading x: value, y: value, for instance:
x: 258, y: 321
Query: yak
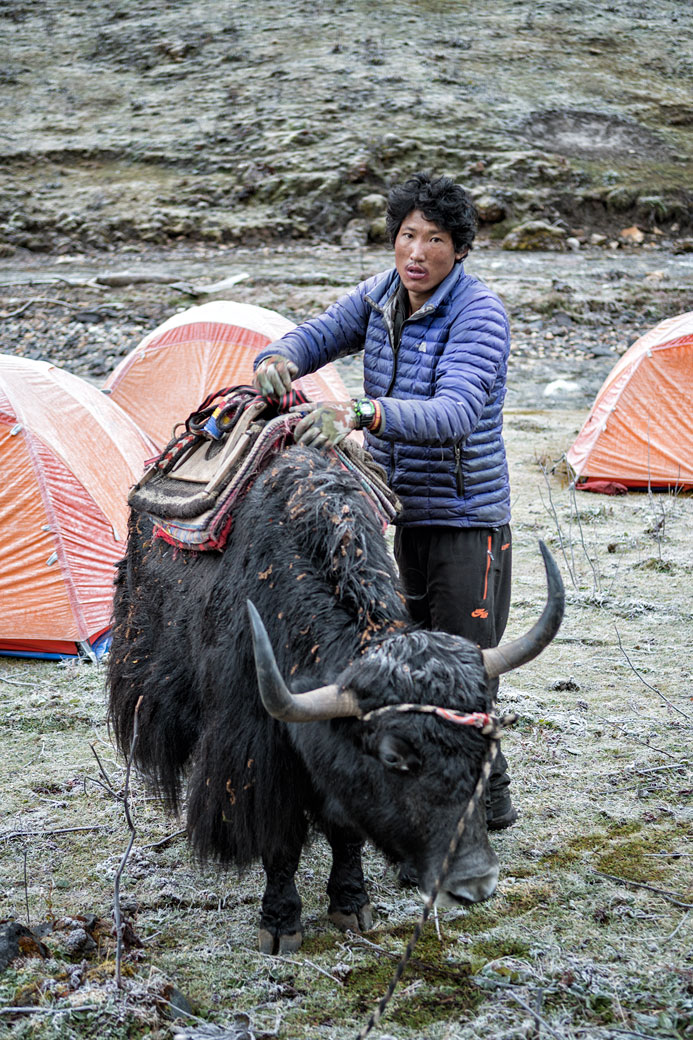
x: 269, y: 711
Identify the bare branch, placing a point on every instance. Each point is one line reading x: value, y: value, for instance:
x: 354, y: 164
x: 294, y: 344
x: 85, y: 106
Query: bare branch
x: 671, y: 896
x: 44, y: 300
x: 163, y: 842
x: 33, y: 1010
x: 131, y: 827
x: 15, y: 682
x: 552, y: 510
x: 644, y: 681
x: 11, y: 835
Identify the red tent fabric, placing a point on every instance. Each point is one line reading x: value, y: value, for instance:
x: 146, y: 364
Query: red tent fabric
x: 198, y: 351
x: 639, y: 432
x: 68, y: 457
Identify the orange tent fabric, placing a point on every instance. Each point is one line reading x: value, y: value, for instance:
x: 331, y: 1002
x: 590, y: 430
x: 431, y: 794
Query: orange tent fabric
x: 639, y: 432
x: 198, y: 351
x: 68, y: 457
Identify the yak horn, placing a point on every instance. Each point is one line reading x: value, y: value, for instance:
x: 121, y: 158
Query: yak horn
x: 326, y: 702
x: 500, y: 659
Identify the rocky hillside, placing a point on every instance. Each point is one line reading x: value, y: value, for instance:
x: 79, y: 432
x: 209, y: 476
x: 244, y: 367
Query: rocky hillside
x: 243, y: 122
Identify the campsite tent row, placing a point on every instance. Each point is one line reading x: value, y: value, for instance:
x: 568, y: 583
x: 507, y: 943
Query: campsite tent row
x: 69, y: 453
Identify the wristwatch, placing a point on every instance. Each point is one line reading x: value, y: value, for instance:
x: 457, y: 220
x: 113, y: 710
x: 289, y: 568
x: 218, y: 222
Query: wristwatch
x: 364, y: 410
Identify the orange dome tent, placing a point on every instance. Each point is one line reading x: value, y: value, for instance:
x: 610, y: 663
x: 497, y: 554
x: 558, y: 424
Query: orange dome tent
x: 198, y: 351
x: 639, y: 432
x: 68, y: 457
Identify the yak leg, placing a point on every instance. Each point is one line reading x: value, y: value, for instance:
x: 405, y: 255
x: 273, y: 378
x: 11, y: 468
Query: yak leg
x: 350, y: 909
x: 280, y: 929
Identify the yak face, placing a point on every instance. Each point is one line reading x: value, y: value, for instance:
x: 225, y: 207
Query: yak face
x: 404, y: 778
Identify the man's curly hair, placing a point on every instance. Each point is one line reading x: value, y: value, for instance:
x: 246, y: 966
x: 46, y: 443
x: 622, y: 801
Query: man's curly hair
x: 440, y: 200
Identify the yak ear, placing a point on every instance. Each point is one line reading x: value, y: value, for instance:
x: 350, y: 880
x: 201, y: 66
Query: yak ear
x: 398, y: 754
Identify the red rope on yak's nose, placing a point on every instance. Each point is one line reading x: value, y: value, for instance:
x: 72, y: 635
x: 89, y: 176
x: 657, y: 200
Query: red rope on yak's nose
x: 490, y: 725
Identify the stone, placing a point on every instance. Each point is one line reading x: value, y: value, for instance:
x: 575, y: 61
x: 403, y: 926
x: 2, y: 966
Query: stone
x: 16, y: 940
x: 377, y: 231
x: 562, y: 388
x: 490, y: 209
x: 372, y: 206
x: 355, y: 233
x: 536, y: 234
x: 632, y: 235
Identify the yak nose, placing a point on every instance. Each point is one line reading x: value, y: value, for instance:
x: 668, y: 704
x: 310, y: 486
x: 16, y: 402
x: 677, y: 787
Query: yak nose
x: 469, y: 889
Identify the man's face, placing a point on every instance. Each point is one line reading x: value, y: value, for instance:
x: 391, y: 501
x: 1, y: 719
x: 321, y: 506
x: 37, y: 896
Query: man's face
x: 424, y: 256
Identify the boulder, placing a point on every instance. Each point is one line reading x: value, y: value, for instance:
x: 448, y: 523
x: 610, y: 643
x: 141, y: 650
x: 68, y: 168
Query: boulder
x: 377, y: 231
x: 490, y: 209
x: 372, y: 206
x: 536, y: 234
x: 632, y: 235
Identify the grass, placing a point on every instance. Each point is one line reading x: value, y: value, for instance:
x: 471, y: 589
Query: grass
x: 601, y: 773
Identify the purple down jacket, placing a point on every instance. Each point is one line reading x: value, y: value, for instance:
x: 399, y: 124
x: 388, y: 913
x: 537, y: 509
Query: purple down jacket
x: 441, y: 393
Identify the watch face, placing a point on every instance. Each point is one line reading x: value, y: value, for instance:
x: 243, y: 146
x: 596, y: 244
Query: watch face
x: 365, y: 413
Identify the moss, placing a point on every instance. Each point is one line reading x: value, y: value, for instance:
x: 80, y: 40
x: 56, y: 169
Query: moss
x: 523, y: 900
x: 626, y: 850
x: 572, y: 851
x: 444, y: 989
x: 493, y: 948
x: 655, y: 564
x: 635, y: 859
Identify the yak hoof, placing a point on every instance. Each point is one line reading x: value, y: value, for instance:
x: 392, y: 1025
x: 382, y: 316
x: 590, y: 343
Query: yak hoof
x: 361, y: 921
x: 290, y: 942
x: 270, y: 943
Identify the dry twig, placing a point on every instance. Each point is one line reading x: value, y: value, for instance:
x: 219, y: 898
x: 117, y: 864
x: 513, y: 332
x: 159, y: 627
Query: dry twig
x: 509, y: 988
x: 15, y: 682
x: 552, y: 510
x: 131, y: 827
x: 650, y: 888
x: 44, y: 300
x: 645, y: 682
x: 11, y: 835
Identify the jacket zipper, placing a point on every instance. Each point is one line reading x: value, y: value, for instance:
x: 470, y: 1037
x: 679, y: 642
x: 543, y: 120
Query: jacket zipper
x: 458, y: 471
x: 395, y: 352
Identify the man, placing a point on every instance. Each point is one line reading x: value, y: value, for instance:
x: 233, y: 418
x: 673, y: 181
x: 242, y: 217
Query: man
x: 435, y: 344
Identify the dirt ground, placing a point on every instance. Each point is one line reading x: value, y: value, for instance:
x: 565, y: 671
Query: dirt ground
x: 601, y: 755
x: 194, y: 141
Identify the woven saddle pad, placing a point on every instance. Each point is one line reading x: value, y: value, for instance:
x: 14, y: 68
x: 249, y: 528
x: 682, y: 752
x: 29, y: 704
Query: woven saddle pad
x: 190, y: 491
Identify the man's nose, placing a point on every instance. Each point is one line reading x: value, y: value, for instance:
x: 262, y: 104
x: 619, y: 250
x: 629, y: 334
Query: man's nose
x: 416, y: 251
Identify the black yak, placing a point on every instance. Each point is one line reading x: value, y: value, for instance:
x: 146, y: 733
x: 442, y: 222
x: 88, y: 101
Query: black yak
x: 265, y: 764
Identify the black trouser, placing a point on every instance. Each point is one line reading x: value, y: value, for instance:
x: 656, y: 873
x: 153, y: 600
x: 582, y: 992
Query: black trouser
x: 457, y: 580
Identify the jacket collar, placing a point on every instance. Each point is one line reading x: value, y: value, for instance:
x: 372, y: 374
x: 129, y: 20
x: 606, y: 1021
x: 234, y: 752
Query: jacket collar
x: 384, y: 290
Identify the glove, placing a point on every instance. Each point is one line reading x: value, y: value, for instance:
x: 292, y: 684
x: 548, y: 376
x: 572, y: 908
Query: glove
x: 325, y: 423
x: 272, y: 377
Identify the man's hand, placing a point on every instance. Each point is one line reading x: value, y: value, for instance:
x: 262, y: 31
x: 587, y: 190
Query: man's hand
x: 325, y: 423
x: 273, y: 376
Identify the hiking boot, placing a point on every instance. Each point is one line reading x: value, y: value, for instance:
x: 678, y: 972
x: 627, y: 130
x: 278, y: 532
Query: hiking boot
x: 500, y: 811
